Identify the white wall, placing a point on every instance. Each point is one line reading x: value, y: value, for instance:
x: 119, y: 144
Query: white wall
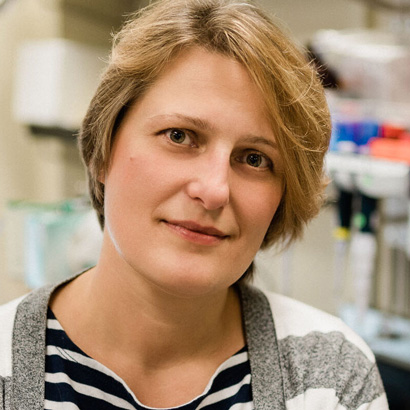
x: 23, y: 165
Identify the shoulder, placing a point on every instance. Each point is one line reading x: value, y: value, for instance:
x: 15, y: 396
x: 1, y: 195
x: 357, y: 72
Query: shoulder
x: 294, y: 319
x: 322, y: 359
x: 23, y: 316
x: 7, y: 316
x: 21, y: 320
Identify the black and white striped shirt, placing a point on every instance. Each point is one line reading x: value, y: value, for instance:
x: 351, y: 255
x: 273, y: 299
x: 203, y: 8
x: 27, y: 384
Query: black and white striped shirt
x: 76, y: 381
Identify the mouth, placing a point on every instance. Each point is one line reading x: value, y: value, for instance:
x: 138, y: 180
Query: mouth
x: 194, y: 232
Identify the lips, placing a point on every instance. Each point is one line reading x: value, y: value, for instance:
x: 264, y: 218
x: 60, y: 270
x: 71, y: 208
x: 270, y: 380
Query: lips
x: 195, y: 227
x: 194, y: 232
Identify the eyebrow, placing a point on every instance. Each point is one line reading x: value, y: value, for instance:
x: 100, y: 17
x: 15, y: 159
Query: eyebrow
x: 261, y: 140
x: 207, y: 126
x: 195, y: 121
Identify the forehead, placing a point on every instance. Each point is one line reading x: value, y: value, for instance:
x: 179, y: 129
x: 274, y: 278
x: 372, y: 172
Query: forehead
x: 208, y: 86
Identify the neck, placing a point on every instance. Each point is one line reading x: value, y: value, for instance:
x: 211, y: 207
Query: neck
x: 142, y: 323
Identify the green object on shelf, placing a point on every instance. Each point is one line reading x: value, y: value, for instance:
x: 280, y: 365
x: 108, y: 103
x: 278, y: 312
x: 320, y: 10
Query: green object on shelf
x: 359, y: 220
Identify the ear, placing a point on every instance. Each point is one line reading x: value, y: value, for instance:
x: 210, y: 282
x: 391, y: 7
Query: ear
x: 101, y: 177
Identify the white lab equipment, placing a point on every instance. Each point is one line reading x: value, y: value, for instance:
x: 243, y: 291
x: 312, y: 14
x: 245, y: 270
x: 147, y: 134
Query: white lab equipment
x: 55, y: 80
x: 370, y: 64
x: 48, y: 243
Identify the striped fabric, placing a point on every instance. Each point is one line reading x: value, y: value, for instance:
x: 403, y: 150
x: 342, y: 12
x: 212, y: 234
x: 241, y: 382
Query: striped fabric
x: 76, y: 381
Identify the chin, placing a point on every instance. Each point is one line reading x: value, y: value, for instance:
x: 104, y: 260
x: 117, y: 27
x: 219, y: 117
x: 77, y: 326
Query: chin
x: 193, y: 283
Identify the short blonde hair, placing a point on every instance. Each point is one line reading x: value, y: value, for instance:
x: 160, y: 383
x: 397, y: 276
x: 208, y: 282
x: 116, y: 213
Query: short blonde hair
x: 238, y: 29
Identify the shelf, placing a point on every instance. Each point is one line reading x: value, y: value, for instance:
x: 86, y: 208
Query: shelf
x: 375, y: 177
x: 388, y: 336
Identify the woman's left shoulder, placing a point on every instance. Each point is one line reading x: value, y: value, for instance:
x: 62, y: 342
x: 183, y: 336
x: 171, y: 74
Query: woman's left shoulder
x: 298, y: 320
x: 323, y: 360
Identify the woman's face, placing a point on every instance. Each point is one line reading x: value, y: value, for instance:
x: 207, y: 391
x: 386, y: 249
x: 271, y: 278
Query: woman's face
x: 195, y: 178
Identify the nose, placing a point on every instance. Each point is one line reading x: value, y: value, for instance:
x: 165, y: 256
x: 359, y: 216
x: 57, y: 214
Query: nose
x: 210, y: 181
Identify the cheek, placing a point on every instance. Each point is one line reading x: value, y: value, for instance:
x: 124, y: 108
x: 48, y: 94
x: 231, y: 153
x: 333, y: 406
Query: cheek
x: 137, y: 184
x: 134, y: 174
x: 127, y: 187
x: 259, y: 209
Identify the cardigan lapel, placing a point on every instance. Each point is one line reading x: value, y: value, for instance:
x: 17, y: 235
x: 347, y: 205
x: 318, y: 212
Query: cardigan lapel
x: 267, y: 383
x: 29, y: 342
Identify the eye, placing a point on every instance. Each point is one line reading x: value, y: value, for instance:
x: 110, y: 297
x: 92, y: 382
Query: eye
x: 179, y: 136
x: 256, y: 160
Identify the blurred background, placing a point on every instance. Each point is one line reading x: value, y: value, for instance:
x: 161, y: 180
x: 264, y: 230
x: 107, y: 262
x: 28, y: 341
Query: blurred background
x: 354, y: 259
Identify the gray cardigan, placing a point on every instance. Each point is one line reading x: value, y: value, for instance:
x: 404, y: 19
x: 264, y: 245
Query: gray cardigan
x: 306, y: 357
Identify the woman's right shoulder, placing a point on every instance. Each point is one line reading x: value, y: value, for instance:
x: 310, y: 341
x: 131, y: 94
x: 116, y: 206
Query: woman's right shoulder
x: 7, y: 316
x: 8, y: 312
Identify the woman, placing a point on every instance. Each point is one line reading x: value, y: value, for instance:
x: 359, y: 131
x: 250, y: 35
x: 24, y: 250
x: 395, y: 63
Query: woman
x: 204, y: 142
